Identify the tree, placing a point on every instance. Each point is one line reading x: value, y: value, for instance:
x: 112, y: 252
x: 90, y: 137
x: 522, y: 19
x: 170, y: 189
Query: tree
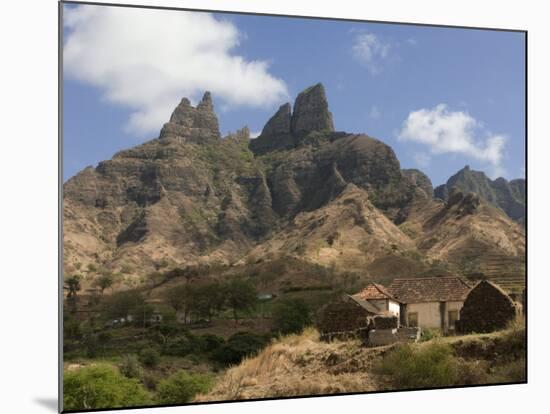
x: 241, y: 296
x: 149, y: 357
x: 290, y: 316
x: 101, y: 386
x: 239, y: 346
x: 182, y: 387
x: 180, y: 298
x: 209, y: 299
x: 122, y: 304
x: 72, y: 284
x: 105, y: 281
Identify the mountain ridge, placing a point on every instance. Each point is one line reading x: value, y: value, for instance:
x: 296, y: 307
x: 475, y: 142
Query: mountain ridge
x: 301, y: 188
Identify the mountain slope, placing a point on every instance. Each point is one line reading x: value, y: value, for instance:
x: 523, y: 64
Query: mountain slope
x: 506, y: 195
x: 300, y: 189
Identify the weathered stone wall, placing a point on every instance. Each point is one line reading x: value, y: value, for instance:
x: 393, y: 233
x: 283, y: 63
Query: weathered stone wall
x: 385, y: 322
x: 487, y: 308
x: 380, y: 337
x: 342, y: 317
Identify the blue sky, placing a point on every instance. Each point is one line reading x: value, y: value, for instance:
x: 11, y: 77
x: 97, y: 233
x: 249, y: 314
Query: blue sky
x: 441, y: 98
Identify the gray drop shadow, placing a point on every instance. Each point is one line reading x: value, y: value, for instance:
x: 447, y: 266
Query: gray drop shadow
x: 49, y: 403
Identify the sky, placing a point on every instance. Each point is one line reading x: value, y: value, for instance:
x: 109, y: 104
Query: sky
x: 442, y: 98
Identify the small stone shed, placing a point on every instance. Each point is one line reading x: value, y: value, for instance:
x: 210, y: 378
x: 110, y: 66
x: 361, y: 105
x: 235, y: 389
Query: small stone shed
x: 345, y: 318
x: 487, y: 308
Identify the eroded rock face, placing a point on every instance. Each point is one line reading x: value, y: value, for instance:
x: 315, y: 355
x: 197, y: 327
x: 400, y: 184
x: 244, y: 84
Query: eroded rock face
x: 200, y: 123
x: 421, y: 180
x: 286, y: 130
x: 276, y: 133
x: 508, y: 196
x: 190, y: 197
x: 311, y: 112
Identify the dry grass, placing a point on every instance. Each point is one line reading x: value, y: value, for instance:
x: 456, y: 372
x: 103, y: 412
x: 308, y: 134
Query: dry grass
x: 299, y: 365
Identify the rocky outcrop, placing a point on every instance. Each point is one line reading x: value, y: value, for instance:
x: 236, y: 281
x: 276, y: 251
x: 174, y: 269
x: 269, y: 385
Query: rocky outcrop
x: 311, y: 112
x: 420, y: 180
x: 199, y: 124
x: 286, y: 130
x: 276, y: 133
x: 300, y: 189
x: 508, y: 196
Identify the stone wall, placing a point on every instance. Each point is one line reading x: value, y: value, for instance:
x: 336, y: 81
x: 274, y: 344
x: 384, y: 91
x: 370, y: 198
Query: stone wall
x: 385, y: 322
x: 487, y: 308
x: 342, y: 317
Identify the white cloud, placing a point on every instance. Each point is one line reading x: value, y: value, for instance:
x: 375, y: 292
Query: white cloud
x: 369, y: 50
x: 255, y: 134
x: 445, y: 131
x: 374, y: 112
x: 411, y: 41
x: 147, y: 60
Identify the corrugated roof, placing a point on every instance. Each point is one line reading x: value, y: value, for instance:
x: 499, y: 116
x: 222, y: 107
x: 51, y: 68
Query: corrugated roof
x: 429, y: 289
x: 373, y: 291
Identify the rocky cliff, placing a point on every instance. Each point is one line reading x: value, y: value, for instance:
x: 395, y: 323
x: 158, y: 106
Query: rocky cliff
x: 509, y: 196
x: 300, y: 189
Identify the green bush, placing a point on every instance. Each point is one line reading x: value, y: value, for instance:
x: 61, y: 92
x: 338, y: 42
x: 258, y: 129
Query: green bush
x: 239, y: 346
x: 130, y: 367
x: 290, y: 316
x: 149, y: 357
x: 182, y: 387
x: 429, y: 334
x: 432, y: 365
x: 211, y: 342
x: 101, y: 386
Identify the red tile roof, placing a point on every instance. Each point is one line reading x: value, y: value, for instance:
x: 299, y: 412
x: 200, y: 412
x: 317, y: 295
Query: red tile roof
x: 373, y: 291
x: 429, y: 289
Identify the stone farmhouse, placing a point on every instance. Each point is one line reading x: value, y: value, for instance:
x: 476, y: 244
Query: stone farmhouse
x: 379, y: 315
x: 430, y: 303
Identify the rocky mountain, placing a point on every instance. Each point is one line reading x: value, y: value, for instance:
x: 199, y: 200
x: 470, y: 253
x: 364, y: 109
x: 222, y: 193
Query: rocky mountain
x: 300, y: 189
x: 509, y: 196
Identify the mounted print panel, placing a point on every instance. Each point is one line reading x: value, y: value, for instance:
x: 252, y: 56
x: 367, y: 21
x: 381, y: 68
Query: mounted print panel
x: 265, y: 207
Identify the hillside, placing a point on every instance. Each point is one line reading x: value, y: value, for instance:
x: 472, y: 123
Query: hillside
x: 303, y: 365
x: 509, y: 196
x: 301, y: 189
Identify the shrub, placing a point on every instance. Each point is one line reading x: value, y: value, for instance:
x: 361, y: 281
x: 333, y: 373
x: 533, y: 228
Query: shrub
x: 429, y: 334
x: 101, y: 386
x: 130, y: 367
x: 432, y: 365
x: 238, y: 346
x: 211, y: 342
x: 182, y: 387
x: 514, y: 371
x: 149, y: 357
x: 290, y: 316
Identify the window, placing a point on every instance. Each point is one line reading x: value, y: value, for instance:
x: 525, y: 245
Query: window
x: 413, y: 319
x: 453, y: 317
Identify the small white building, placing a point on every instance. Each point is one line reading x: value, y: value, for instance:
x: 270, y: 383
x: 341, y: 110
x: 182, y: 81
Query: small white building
x: 379, y: 296
x: 432, y: 302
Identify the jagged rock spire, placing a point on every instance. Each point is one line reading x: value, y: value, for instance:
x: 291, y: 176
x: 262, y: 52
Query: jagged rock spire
x: 197, y: 123
x: 285, y: 129
x: 311, y: 111
x: 278, y: 124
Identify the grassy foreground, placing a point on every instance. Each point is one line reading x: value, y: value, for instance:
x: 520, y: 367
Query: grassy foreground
x: 303, y: 365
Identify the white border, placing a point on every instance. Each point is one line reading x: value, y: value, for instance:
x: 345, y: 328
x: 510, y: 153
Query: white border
x: 28, y: 32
